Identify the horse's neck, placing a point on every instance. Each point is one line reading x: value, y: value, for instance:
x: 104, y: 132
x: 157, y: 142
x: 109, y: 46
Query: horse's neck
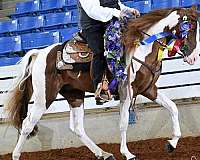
x: 143, y: 51
x: 171, y: 20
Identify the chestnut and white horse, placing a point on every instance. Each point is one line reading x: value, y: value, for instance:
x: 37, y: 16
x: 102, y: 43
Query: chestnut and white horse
x: 41, y: 79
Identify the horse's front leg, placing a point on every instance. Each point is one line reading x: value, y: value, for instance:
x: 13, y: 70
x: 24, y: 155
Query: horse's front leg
x: 171, y: 106
x: 124, y: 117
x: 77, y: 127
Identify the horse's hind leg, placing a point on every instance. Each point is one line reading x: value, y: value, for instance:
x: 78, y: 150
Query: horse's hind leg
x: 77, y: 126
x: 42, y: 100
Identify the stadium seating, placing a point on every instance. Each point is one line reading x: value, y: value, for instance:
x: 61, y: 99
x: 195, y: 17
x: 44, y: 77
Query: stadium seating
x: 29, y: 24
x: 56, y: 21
x: 60, y: 20
x: 66, y: 34
x: 39, y: 40
x: 143, y: 6
x: 187, y: 3
x: 129, y: 4
x: 26, y: 8
x: 51, y: 5
x: 70, y: 4
x: 156, y: 4
x: 9, y: 45
x: 7, y: 27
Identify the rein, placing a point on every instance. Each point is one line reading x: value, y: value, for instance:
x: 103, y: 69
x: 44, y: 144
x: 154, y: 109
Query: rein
x: 161, y: 43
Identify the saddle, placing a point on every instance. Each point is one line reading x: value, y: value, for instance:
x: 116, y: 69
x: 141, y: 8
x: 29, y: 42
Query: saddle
x: 77, y: 56
x: 75, y: 52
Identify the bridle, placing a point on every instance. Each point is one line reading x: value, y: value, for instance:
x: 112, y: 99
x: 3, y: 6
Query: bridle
x: 180, y: 34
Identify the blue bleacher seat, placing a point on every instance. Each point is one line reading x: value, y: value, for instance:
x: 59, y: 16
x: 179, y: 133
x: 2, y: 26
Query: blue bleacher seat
x: 156, y: 4
x: 8, y: 27
x: 10, y: 44
x: 188, y: 3
x: 70, y: 4
x: 66, y: 34
x: 130, y: 4
x: 39, y: 40
x: 7, y: 61
x: 26, y: 8
x: 58, y: 20
x: 74, y: 15
x: 28, y: 24
x: 47, y: 5
x: 143, y: 6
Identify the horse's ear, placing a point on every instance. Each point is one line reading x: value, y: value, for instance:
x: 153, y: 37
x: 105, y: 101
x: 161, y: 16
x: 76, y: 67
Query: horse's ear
x: 194, y: 7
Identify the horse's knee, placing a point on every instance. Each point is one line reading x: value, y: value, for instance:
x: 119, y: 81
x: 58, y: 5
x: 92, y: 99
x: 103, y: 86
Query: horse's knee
x: 32, y: 119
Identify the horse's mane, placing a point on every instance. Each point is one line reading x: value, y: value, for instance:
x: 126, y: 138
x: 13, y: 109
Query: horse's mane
x: 143, y: 23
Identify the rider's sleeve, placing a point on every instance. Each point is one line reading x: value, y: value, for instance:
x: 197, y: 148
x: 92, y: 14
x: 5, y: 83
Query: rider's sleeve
x: 123, y: 7
x: 97, y: 12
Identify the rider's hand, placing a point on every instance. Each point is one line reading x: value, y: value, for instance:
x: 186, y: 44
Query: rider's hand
x: 125, y: 15
x: 135, y: 12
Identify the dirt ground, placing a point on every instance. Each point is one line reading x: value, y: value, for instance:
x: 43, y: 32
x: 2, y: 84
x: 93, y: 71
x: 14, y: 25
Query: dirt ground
x: 187, y: 149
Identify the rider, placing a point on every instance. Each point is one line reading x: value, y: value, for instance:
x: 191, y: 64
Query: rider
x: 94, y: 15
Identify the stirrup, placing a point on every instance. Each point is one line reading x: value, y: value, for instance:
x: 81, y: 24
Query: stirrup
x: 102, y: 93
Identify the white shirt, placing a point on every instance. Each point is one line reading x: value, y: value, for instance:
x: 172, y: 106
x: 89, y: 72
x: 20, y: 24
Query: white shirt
x: 97, y: 12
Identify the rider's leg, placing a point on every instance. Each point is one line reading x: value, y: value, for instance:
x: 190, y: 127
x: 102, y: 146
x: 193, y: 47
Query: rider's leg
x: 95, y: 40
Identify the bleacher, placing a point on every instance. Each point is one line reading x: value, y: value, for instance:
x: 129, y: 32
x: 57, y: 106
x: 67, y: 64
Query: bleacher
x: 40, y: 23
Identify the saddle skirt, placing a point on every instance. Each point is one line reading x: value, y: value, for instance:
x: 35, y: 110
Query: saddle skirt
x: 75, y: 52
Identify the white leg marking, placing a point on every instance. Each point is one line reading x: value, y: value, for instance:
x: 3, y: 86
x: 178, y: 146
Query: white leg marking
x: 71, y: 120
x: 124, y: 117
x: 171, y: 106
x: 77, y: 121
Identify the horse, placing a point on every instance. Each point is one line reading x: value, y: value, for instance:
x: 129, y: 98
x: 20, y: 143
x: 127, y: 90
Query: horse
x: 41, y: 79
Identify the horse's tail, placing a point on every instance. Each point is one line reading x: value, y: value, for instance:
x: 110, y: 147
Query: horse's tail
x: 18, y: 97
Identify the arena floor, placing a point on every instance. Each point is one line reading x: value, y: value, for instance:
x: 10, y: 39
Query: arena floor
x: 188, y: 149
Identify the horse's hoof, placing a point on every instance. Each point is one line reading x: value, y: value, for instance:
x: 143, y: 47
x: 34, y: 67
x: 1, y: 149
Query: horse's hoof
x: 116, y: 97
x: 111, y: 158
x: 134, y: 158
x: 99, y: 103
x: 169, y: 148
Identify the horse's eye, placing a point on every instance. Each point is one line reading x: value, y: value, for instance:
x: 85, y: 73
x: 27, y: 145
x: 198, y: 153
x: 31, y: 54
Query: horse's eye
x: 185, y: 18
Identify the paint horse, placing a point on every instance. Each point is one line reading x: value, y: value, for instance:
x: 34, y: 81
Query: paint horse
x: 41, y: 79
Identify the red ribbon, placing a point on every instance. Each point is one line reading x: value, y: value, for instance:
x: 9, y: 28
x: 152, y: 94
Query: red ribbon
x: 175, y: 48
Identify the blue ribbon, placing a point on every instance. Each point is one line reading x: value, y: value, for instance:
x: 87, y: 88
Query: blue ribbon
x: 156, y: 37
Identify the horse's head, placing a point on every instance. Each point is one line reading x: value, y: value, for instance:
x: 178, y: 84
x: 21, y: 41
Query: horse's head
x: 187, y: 33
